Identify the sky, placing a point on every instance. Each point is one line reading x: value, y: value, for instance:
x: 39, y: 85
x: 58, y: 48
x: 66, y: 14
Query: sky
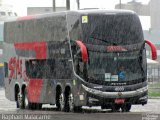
x: 20, y: 6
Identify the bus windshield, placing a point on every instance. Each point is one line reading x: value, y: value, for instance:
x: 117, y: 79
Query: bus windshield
x: 112, y: 30
x: 115, y: 66
x: 115, y: 46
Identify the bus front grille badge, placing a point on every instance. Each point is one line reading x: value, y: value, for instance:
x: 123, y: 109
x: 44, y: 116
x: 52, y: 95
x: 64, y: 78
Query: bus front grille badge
x: 120, y: 94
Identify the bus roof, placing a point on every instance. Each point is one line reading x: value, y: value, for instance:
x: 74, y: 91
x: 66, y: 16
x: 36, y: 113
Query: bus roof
x: 56, y: 26
x: 77, y: 12
x: 103, y: 11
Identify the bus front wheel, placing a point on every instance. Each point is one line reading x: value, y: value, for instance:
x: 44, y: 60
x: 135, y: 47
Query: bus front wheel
x: 126, y: 107
x: 115, y: 107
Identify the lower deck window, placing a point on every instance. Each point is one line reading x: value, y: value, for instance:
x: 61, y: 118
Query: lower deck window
x: 59, y: 69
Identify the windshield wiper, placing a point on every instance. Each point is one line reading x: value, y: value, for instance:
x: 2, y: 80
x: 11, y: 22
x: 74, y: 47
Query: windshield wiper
x: 112, y: 43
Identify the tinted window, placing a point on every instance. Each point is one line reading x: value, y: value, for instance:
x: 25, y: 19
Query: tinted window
x: 59, y: 69
x: 112, y: 29
x: 2, y: 13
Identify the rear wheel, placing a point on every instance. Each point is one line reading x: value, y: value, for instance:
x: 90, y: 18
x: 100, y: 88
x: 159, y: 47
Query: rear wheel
x: 17, y: 104
x: 60, y: 102
x: 69, y: 102
x: 17, y: 97
x: 19, y: 100
x: 70, y: 106
x: 25, y: 103
x: 126, y: 107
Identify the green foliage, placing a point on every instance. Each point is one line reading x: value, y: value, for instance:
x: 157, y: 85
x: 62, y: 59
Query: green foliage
x: 154, y: 90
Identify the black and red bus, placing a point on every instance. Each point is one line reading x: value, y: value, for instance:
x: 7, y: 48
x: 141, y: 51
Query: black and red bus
x: 76, y: 58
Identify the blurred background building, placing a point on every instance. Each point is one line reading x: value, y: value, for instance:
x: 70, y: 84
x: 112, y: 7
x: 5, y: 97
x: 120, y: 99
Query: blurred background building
x: 138, y: 7
x: 42, y: 10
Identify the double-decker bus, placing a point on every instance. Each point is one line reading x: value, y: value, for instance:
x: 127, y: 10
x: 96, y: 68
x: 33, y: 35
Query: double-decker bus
x: 76, y: 58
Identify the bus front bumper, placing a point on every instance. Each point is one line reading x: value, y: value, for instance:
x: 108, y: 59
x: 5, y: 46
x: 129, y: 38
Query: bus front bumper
x: 98, y: 97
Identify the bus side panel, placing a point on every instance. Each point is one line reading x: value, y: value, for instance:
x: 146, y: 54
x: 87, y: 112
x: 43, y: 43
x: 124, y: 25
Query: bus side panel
x: 48, y: 91
x: 80, y: 98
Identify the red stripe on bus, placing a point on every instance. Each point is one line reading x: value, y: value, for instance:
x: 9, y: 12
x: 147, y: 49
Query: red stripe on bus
x: 40, y: 48
x: 34, y: 89
x: 25, y: 18
x: 84, y: 52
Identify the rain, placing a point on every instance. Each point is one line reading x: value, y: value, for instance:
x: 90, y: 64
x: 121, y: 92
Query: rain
x: 74, y: 58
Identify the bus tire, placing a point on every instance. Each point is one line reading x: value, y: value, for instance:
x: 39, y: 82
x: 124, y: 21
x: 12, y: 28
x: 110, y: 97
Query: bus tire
x: 25, y: 102
x: 126, y: 107
x: 115, y: 107
x: 18, y: 101
x: 69, y: 103
x: 60, y: 102
x: 17, y: 104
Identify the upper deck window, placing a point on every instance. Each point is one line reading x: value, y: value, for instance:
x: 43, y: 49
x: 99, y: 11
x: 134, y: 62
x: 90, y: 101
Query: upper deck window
x: 15, y: 14
x: 2, y: 13
x: 10, y: 13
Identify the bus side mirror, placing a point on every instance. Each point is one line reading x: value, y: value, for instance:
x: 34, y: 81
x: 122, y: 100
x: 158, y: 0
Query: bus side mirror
x: 153, y: 49
x: 83, y: 50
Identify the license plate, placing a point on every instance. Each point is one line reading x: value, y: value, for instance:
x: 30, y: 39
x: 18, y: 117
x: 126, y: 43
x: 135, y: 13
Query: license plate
x: 119, y: 101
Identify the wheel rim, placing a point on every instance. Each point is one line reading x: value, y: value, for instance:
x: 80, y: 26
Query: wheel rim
x: 19, y: 100
x: 71, y: 103
x: 26, y: 102
x: 61, y: 101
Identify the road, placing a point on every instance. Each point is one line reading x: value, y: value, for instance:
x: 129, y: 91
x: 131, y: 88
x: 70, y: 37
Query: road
x: 8, y: 111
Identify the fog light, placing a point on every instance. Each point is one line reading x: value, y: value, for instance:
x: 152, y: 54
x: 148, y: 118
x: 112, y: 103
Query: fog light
x: 143, y: 98
x: 92, y: 100
x: 81, y: 97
